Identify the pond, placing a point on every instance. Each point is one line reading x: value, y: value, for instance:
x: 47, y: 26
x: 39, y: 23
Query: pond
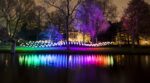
x: 74, y: 68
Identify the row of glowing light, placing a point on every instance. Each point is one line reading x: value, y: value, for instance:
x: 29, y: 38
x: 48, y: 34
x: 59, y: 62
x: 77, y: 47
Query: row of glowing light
x: 61, y: 43
x: 64, y: 61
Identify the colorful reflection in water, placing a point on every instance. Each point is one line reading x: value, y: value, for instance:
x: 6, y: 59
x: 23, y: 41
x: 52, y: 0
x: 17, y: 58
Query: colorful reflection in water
x: 64, y: 61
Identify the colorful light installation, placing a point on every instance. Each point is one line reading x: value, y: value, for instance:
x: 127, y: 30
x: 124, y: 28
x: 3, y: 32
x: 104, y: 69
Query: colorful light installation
x: 40, y: 49
x: 48, y: 43
x: 43, y: 60
x: 64, y: 61
x: 96, y: 60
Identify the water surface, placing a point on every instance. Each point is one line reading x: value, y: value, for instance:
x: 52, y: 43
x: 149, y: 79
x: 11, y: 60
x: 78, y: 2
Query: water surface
x: 79, y: 68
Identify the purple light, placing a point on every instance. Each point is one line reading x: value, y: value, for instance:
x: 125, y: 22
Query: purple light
x: 60, y: 61
x: 90, y: 19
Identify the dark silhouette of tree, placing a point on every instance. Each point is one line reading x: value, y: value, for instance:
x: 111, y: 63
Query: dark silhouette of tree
x: 13, y: 13
x: 4, y: 34
x: 136, y: 20
x: 110, y: 34
x: 110, y: 10
x: 23, y: 33
x: 35, y: 21
x: 56, y: 18
x: 37, y: 17
x: 67, y: 8
x: 51, y: 33
x: 26, y: 33
x: 41, y: 16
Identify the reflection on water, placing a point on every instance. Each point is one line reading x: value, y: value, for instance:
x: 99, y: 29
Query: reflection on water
x: 63, y: 68
x: 5, y: 59
x: 132, y: 60
x: 73, y: 61
x: 70, y: 61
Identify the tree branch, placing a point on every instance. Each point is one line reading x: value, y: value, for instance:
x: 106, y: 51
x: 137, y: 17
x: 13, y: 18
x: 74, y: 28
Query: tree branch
x: 57, y: 7
x: 79, y: 1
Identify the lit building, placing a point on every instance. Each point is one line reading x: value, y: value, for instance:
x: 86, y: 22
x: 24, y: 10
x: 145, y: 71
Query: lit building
x: 79, y: 37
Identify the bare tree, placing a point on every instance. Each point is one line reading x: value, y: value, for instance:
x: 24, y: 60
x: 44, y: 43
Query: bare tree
x: 41, y: 15
x: 136, y: 20
x: 13, y: 12
x: 56, y: 18
x: 110, y: 10
x: 67, y: 8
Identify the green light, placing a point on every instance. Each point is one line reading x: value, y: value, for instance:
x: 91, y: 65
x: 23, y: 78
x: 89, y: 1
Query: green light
x: 112, y: 61
x: 21, y: 60
x: 36, y: 61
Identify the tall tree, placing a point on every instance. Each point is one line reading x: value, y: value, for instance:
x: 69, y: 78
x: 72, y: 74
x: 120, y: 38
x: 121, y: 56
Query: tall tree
x: 56, y: 18
x: 90, y: 19
x: 110, y: 10
x: 41, y: 15
x: 67, y: 8
x: 136, y: 20
x: 13, y: 12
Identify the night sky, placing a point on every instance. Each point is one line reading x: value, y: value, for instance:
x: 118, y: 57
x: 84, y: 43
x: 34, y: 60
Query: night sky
x: 121, y: 5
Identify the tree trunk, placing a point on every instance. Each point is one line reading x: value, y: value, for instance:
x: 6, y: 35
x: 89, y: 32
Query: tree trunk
x: 67, y: 23
x: 133, y: 39
x: 67, y: 33
x: 119, y: 39
x: 94, y: 39
x: 83, y: 38
x: 13, y: 46
x: 128, y: 39
x: 137, y: 39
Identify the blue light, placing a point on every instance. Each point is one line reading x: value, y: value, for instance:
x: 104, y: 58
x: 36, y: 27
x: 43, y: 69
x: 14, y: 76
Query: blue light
x: 64, y: 61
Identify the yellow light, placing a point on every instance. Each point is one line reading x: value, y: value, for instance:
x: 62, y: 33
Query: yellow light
x: 79, y: 37
x: 145, y: 42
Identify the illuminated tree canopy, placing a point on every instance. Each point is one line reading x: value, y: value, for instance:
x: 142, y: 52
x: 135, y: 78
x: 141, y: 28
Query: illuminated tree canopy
x: 90, y: 19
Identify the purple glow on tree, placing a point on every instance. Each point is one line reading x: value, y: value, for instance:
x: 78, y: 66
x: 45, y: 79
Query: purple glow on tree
x: 90, y: 19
